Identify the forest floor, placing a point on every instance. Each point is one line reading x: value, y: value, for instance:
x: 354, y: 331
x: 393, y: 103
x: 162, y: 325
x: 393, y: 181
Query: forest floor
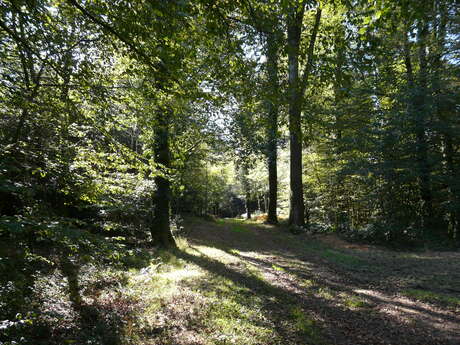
x: 237, y: 282
x: 242, y: 282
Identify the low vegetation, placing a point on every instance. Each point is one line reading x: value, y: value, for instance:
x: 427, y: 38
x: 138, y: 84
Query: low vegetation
x: 268, y: 287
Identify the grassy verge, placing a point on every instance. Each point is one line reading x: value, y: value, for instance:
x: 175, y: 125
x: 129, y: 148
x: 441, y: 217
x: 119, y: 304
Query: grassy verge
x: 432, y: 297
x: 186, y: 303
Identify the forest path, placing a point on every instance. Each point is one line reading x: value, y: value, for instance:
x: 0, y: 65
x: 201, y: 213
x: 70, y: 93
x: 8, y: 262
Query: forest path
x: 241, y: 282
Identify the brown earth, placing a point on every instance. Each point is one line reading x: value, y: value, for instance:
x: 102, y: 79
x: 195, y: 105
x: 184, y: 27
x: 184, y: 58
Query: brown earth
x: 352, y: 294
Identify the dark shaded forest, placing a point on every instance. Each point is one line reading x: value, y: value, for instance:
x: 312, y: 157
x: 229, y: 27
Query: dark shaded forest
x: 229, y: 172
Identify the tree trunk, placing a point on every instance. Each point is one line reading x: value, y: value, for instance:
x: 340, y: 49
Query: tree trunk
x: 70, y: 270
x: 272, y: 128
x: 418, y: 111
x: 454, y: 193
x: 248, y: 209
x: 294, y: 29
x: 246, y: 188
x: 265, y: 202
x: 421, y: 109
x: 444, y: 116
x: 339, y: 96
x: 161, y: 231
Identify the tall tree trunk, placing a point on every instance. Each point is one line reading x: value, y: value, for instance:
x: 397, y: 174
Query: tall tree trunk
x: 296, y: 93
x: 438, y: 66
x: 421, y: 109
x: 248, y: 207
x: 205, y: 207
x: 339, y: 95
x: 418, y: 111
x: 246, y: 188
x: 265, y: 202
x: 294, y: 30
x: 272, y: 128
x: 161, y: 231
x: 70, y: 270
x: 454, y: 191
x: 32, y: 78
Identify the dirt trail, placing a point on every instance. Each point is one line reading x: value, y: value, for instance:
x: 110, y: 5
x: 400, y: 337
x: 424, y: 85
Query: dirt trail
x: 322, y: 290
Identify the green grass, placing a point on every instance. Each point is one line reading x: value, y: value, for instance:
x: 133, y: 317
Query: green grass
x: 239, y: 228
x: 235, y: 252
x: 325, y: 293
x: 343, y: 259
x: 235, y: 225
x: 180, y: 292
x: 253, y: 271
x: 235, y: 318
x: 326, y: 252
x: 311, y: 245
x: 278, y: 268
x: 355, y: 302
x: 306, y: 325
x: 226, y: 221
x: 429, y: 296
x: 232, y: 314
x: 308, y: 283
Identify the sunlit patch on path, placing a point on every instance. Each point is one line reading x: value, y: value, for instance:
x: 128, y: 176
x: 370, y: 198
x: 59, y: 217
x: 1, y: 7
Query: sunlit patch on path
x: 247, y: 283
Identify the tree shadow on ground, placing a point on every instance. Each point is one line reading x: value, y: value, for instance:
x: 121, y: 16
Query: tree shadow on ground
x: 435, y: 271
x: 384, y: 320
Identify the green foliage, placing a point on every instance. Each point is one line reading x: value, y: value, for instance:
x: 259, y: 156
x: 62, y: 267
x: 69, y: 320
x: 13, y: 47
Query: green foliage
x: 379, y: 169
x: 86, y: 89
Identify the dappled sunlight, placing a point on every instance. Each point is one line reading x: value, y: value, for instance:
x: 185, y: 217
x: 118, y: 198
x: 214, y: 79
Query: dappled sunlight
x: 215, y: 253
x: 221, y: 307
x: 403, y: 302
x: 252, y: 172
x: 330, y: 282
x: 181, y: 274
x: 256, y: 287
x: 414, y: 311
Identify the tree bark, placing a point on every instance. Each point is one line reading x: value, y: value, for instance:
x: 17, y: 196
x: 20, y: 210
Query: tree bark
x: 248, y: 208
x: 339, y: 96
x: 418, y: 111
x: 294, y: 30
x: 272, y: 128
x: 444, y: 116
x: 454, y: 192
x: 421, y: 109
x: 32, y: 78
x: 246, y: 188
x: 160, y: 230
x: 296, y: 91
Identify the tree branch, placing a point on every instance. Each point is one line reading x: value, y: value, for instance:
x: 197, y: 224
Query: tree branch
x: 155, y: 66
x: 310, y: 51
